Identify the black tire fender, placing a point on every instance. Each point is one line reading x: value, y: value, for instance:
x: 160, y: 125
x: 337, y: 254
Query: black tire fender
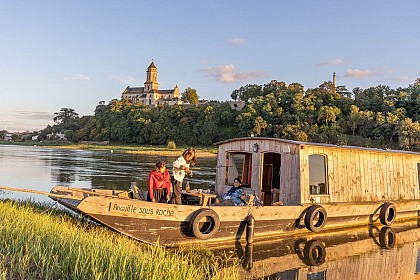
x: 388, y: 214
x: 387, y: 238
x: 315, y: 218
x: 208, y: 228
x: 314, y: 253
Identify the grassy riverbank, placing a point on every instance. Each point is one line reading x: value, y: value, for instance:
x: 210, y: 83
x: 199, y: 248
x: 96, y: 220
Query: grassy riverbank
x: 38, y: 242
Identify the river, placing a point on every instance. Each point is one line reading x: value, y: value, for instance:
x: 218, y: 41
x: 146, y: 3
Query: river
x: 39, y: 168
x: 362, y: 253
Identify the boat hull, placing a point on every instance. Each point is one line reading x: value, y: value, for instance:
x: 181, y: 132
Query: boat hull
x: 171, y: 224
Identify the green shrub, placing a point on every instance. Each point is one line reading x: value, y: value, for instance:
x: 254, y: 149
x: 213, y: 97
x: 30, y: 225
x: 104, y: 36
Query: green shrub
x: 171, y: 145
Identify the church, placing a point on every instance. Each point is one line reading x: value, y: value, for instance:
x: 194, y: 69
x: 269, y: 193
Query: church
x: 150, y: 94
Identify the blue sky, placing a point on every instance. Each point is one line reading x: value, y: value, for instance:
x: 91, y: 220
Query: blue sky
x: 73, y: 54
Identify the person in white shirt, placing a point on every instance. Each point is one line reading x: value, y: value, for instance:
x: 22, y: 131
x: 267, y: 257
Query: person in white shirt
x: 181, y: 166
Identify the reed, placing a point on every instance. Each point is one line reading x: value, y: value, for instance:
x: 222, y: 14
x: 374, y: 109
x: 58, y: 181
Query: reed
x: 38, y: 242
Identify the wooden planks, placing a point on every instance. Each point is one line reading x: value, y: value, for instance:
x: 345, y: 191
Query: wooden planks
x: 352, y: 173
x: 361, y: 175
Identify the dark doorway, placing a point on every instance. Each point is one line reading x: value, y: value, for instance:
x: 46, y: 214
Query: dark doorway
x: 270, y: 176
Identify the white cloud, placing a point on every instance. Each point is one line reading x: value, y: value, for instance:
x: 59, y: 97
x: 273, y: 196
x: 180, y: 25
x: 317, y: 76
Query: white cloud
x: 356, y: 73
x: 77, y: 77
x: 25, y: 120
x: 383, y: 74
x: 124, y: 80
x: 331, y: 62
x: 402, y: 78
x: 228, y: 74
x: 396, y: 79
x: 237, y: 41
x: 33, y: 115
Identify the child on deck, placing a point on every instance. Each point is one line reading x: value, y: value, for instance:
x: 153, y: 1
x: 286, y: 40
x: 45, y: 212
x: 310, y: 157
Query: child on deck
x: 233, y: 196
x: 159, y: 184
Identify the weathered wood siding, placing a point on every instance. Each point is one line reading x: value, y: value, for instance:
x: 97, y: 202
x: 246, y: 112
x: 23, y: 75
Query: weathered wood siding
x: 290, y: 193
x: 353, y: 174
x: 289, y: 180
x: 362, y: 174
x: 236, y: 146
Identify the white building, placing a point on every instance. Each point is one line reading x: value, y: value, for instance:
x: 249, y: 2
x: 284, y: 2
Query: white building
x: 150, y: 94
x: 59, y: 136
x: 8, y: 137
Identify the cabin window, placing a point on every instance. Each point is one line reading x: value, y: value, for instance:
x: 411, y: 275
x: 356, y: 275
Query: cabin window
x: 239, y: 165
x: 317, y: 174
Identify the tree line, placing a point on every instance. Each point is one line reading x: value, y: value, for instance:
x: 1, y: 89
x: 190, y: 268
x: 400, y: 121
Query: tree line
x: 374, y: 117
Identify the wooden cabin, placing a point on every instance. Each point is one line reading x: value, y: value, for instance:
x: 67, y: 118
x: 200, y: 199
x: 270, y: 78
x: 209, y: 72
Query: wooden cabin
x: 295, y: 173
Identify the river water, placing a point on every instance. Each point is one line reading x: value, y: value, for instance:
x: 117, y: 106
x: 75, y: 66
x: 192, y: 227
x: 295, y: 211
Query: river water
x: 362, y: 253
x: 38, y: 168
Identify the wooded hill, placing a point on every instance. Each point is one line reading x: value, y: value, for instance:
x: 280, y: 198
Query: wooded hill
x: 374, y: 117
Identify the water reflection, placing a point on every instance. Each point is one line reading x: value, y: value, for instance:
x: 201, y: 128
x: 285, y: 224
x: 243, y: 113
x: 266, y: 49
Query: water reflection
x: 42, y: 168
x: 365, y: 253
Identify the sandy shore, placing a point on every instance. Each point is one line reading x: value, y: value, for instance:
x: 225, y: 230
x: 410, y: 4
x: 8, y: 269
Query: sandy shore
x: 171, y: 153
x: 138, y: 150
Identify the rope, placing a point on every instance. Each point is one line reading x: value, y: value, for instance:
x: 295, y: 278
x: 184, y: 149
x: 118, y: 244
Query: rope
x: 50, y: 207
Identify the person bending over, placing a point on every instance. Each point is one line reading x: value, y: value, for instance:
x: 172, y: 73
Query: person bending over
x: 181, y: 166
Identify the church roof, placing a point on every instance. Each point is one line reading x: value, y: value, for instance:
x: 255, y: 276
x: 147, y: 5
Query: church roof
x: 140, y: 90
x: 152, y: 65
x: 167, y: 91
x: 134, y: 90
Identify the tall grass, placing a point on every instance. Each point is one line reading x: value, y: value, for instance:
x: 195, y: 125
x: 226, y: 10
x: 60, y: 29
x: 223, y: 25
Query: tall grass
x: 37, y: 243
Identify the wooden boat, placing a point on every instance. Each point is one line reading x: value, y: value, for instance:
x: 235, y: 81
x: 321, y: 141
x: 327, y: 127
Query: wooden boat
x: 304, y: 187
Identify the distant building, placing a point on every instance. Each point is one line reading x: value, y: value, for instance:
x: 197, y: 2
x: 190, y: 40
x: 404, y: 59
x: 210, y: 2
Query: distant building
x: 56, y: 136
x: 150, y: 94
x: 8, y: 137
x: 237, y: 105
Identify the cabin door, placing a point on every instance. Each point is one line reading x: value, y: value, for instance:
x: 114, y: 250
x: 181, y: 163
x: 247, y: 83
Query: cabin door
x: 270, y: 184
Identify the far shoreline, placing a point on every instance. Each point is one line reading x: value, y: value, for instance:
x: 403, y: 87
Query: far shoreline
x: 159, y: 150
x: 140, y: 150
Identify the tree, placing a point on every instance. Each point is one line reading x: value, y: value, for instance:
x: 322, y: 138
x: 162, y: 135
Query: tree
x: 413, y: 101
x: 65, y: 115
x: 367, y: 124
x: 246, y: 93
x: 294, y: 132
x: 70, y: 135
x: 190, y: 95
x: 355, y: 118
x: 259, y: 125
x: 328, y: 114
x: 408, y: 133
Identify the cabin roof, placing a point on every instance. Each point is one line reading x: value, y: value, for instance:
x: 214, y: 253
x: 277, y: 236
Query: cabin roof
x: 300, y: 143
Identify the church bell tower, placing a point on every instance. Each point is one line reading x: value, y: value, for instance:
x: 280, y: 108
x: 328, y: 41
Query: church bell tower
x: 151, y: 78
